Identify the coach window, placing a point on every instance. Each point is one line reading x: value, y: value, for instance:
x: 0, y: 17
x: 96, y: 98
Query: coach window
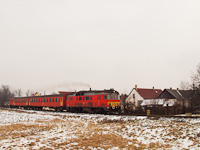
x: 61, y: 100
x: 90, y: 97
x: 49, y: 99
x: 80, y: 98
x: 87, y: 98
x: 53, y: 99
x: 83, y: 98
x: 44, y: 99
x: 56, y: 99
x: 77, y: 98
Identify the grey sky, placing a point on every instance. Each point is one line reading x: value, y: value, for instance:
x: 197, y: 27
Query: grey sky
x: 55, y: 45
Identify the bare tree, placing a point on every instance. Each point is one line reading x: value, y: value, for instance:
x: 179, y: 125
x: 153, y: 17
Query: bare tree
x: 196, y: 78
x: 27, y: 93
x: 195, y: 86
x: 184, y: 85
x: 18, y: 92
x: 5, y: 95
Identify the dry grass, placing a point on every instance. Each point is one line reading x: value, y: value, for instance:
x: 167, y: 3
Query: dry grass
x: 23, y: 130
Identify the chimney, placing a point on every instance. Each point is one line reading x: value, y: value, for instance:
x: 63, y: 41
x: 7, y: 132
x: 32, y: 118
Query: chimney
x: 177, y: 89
x: 153, y: 88
x: 136, y: 87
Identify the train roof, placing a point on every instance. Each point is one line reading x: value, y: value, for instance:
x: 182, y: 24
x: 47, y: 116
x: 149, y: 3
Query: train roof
x: 105, y: 91
x: 54, y: 95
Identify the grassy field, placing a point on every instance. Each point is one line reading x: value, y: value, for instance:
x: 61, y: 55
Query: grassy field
x: 41, y: 130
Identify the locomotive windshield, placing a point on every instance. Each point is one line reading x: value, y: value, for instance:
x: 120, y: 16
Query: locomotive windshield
x: 113, y: 96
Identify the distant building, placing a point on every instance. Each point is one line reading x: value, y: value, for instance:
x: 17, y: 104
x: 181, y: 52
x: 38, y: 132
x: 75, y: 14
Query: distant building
x: 137, y: 95
x: 182, y: 99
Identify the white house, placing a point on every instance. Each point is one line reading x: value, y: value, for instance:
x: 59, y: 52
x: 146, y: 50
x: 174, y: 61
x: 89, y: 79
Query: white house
x: 137, y: 95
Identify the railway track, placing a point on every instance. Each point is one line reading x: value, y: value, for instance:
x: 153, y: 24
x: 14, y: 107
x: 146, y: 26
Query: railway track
x: 127, y: 114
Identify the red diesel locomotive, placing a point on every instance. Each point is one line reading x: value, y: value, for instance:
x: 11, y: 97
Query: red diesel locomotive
x: 83, y: 101
x: 94, y: 101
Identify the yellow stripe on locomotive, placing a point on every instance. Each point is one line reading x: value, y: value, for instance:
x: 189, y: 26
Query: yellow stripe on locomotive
x: 115, y: 104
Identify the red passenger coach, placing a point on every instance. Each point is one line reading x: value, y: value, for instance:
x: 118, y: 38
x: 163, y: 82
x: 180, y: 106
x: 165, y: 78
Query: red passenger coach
x: 19, y: 102
x: 94, y: 101
x: 57, y: 101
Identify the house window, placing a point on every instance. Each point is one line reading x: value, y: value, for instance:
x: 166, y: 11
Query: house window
x: 133, y: 96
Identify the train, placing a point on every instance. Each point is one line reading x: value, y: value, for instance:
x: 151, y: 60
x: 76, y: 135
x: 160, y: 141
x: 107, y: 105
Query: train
x: 92, y: 101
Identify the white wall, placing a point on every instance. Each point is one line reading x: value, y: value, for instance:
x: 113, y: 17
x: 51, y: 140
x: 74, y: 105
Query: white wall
x: 133, y: 101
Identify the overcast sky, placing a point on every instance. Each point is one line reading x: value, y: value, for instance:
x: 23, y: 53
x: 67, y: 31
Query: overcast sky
x: 56, y: 45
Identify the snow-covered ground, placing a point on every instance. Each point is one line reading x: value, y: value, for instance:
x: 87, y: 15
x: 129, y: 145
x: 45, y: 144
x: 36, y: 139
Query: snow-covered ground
x: 51, y: 130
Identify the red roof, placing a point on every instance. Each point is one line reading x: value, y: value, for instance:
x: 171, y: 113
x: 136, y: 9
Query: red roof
x: 149, y: 93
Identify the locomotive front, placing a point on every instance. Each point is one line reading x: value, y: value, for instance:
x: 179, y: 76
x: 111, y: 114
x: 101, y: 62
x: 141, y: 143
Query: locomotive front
x: 112, y: 101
